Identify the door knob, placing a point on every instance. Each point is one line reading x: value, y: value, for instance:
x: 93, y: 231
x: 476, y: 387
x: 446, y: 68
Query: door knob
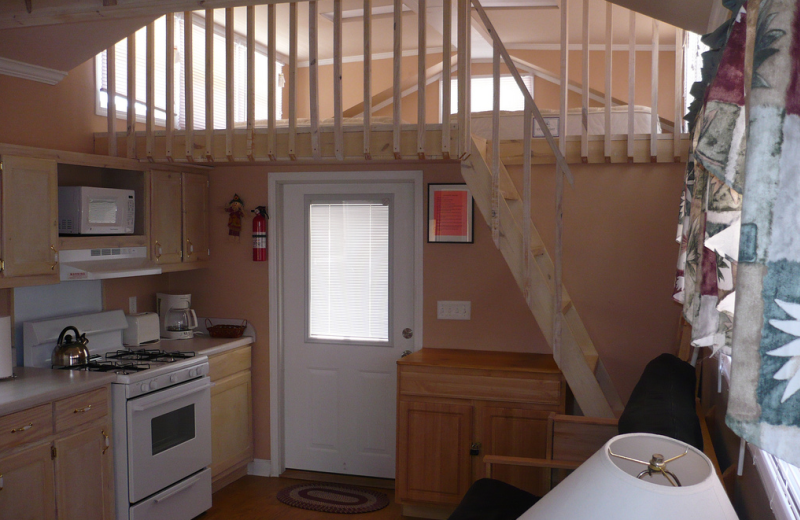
x: 408, y: 333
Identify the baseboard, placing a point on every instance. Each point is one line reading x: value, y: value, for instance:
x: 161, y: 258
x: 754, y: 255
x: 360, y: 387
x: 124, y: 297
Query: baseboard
x: 260, y: 468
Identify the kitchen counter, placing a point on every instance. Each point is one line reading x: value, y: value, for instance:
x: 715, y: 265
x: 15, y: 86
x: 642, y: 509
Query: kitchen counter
x: 204, y: 345
x: 35, y: 386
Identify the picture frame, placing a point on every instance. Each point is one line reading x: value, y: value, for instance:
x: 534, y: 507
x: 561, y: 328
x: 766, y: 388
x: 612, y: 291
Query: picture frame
x: 450, y: 214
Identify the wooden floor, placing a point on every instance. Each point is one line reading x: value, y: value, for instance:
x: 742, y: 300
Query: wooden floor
x: 251, y: 498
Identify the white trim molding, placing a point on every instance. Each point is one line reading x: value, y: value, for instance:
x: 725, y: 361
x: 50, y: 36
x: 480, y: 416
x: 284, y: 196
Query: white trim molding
x: 260, y: 468
x: 19, y: 69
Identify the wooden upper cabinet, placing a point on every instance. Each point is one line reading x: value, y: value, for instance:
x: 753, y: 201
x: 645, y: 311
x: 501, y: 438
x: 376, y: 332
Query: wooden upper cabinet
x: 195, y: 217
x: 165, y: 222
x: 29, y: 216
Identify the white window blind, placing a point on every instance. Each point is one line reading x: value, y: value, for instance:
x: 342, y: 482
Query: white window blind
x: 482, y: 98
x: 198, y: 76
x: 348, y: 271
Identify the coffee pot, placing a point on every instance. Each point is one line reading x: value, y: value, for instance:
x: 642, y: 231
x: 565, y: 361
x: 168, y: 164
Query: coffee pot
x: 178, y: 319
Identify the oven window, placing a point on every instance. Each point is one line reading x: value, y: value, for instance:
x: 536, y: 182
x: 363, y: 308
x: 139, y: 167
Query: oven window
x: 172, y: 429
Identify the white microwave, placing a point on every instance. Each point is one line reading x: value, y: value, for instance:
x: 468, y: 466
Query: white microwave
x: 87, y: 210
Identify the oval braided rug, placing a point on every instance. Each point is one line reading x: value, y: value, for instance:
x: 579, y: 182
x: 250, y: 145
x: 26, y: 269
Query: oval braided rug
x: 333, y: 498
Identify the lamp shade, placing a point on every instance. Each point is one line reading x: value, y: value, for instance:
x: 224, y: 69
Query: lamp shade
x: 607, y: 487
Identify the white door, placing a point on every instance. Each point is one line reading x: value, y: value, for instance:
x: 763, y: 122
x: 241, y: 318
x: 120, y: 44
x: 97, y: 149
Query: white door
x: 348, y: 298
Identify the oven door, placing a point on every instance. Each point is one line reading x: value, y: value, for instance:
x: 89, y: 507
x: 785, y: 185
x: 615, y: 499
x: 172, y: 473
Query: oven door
x: 169, y: 436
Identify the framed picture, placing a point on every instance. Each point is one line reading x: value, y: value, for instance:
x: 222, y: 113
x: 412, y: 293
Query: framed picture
x: 450, y: 215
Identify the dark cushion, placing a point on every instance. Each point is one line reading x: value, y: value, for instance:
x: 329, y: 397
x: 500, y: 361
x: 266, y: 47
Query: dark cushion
x: 663, y: 402
x: 489, y: 499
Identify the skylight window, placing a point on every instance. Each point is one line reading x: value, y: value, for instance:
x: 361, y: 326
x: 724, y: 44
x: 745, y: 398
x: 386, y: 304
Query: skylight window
x: 198, y: 65
x: 482, y: 93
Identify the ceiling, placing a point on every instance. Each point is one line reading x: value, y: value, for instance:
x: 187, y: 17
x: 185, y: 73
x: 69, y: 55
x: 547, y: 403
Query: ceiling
x: 523, y: 24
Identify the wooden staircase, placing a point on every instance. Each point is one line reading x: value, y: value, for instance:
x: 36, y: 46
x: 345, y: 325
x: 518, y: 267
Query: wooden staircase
x: 577, y: 357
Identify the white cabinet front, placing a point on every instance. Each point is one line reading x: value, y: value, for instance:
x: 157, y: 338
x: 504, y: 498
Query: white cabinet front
x: 169, y: 436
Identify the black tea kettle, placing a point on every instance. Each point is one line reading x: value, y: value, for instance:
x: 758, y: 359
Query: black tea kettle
x: 69, y: 353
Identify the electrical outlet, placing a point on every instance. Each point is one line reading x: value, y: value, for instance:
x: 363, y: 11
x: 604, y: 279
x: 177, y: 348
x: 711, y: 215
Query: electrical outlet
x: 450, y: 310
x: 132, y: 305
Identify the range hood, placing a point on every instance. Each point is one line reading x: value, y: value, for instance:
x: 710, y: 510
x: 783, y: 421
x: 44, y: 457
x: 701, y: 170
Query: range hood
x: 107, y: 262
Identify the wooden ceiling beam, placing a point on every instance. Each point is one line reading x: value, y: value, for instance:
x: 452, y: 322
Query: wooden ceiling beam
x: 52, y: 12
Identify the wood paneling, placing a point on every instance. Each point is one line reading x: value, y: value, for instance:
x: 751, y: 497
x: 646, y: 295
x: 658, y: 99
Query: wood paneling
x: 456, y: 405
x: 497, y: 388
x: 228, y: 363
x: 231, y: 415
x: 81, y: 409
x: 29, y: 237
x: 165, y: 201
x: 85, y: 475
x: 433, y: 439
x: 518, y: 433
x: 28, y: 490
x: 195, y: 216
x: 26, y: 426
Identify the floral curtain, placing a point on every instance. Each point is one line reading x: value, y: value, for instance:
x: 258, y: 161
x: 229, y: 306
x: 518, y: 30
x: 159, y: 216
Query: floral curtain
x: 739, y: 268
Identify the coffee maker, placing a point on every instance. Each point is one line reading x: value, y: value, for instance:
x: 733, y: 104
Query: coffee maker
x: 176, y: 317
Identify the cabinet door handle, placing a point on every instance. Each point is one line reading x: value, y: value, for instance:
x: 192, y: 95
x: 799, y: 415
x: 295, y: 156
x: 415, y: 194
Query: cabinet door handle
x: 55, y: 258
x: 158, y: 250
x: 1, y: 482
x: 83, y: 410
x: 107, y: 441
x: 23, y: 428
x: 2, y: 265
x: 190, y: 247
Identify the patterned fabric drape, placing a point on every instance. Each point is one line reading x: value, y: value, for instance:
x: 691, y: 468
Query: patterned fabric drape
x: 739, y: 267
x: 764, y: 405
x: 708, y: 229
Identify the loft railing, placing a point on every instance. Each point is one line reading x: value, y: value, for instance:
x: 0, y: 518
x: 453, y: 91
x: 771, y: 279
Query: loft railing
x: 297, y: 140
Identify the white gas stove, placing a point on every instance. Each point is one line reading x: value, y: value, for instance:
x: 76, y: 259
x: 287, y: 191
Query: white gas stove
x: 161, y: 416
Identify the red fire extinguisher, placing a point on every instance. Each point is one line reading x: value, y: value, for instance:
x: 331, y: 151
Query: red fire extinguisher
x: 260, y: 234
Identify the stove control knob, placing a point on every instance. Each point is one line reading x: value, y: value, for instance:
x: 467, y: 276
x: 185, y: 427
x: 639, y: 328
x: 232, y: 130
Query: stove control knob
x: 192, y: 373
x: 153, y: 385
x: 201, y: 371
x: 173, y: 378
x: 145, y: 387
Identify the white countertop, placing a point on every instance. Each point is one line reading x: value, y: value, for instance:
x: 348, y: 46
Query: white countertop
x: 35, y: 386
x: 204, y: 345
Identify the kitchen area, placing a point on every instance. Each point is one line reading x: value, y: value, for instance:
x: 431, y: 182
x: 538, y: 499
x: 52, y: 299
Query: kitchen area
x: 116, y: 400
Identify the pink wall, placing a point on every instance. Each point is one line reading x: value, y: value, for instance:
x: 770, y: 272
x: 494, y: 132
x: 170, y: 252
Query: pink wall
x: 235, y: 286
x: 57, y: 116
x: 619, y: 256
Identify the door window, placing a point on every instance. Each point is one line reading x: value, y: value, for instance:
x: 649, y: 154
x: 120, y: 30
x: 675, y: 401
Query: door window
x: 348, y: 270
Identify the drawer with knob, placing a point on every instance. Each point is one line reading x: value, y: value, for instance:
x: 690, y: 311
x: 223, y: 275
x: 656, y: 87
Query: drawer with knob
x: 26, y: 426
x: 81, y: 409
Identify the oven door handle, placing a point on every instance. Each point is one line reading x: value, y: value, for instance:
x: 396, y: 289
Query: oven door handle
x: 172, y: 397
x: 186, y: 485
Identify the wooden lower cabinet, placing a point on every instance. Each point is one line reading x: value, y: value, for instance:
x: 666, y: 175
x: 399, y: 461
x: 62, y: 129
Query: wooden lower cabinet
x: 231, y: 415
x: 66, y: 471
x: 85, y: 475
x: 27, y: 487
x: 456, y: 406
x: 434, y: 439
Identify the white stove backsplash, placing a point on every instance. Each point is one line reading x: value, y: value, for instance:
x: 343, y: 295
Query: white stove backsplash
x: 103, y: 330
x: 47, y: 301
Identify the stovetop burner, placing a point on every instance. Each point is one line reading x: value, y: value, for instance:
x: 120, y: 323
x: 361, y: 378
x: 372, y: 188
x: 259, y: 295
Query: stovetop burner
x: 96, y: 364
x: 157, y: 356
